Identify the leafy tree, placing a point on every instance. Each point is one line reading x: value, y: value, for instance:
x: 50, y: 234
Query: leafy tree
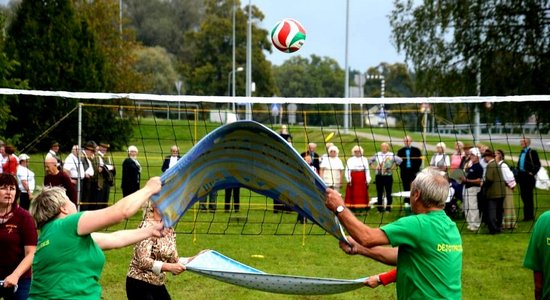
x: 450, y: 42
x: 163, y: 23
x: 57, y: 50
x: 157, y: 66
x: 208, y: 53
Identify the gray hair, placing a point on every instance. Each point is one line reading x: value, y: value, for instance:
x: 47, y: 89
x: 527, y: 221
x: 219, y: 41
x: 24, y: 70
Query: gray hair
x: 433, y: 188
x: 47, y: 205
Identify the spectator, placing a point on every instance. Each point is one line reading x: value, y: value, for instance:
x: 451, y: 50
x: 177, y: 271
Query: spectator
x: 358, y: 177
x: 18, y: 239
x: 10, y: 163
x: 325, y: 155
x: 495, y: 186
x: 106, y: 176
x: 236, y: 199
x: 3, y: 157
x: 528, y: 167
x: 285, y: 134
x: 537, y: 257
x: 90, y: 184
x: 440, y: 160
x: 54, y: 152
x: 69, y: 260
x: 301, y: 218
x: 412, y: 161
x: 171, y: 160
x: 212, y: 202
x: 509, y: 215
x: 428, y: 243
x: 472, y: 186
x: 152, y: 257
x: 73, y: 166
x: 26, y: 180
x: 54, y: 177
x: 131, y: 172
x: 332, y: 169
x: 312, y: 152
x: 384, y: 162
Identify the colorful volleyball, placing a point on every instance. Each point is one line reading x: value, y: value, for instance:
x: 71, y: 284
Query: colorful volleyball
x: 288, y: 35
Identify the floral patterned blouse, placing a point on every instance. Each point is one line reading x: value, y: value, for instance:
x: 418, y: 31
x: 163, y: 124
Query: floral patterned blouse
x: 150, y: 250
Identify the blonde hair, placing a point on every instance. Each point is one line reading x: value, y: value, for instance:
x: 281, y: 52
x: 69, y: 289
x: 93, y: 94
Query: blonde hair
x: 442, y: 145
x: 333, y: 148
x: 46, y: 206
x: 355, y: 148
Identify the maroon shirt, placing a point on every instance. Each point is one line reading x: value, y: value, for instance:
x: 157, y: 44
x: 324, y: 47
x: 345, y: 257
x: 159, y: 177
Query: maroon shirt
x: 19, y: 231
x: 63, y: 180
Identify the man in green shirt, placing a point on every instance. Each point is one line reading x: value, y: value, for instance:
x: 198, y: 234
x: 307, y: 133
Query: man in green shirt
x: 537, y: 257
x: 427, y: 243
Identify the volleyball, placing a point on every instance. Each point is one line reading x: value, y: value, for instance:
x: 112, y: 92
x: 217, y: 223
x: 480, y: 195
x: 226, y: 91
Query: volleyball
x: 288, y: 35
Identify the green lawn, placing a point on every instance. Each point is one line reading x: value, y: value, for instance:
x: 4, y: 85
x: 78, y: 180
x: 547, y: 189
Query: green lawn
x: 492, y: 266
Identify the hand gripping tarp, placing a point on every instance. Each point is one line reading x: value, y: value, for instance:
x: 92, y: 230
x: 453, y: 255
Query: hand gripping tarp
x: 250, y: 155
x: 217, y: 266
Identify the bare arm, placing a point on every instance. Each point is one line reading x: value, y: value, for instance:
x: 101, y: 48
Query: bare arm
x: 25, y: 184
x: 24, y: 265
x: 123, y: 238
x: 385, y: 255
x: 95, y: 220
x: 363, y: 234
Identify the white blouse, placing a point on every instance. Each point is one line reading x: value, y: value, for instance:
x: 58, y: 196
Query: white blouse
x: 355, y: 163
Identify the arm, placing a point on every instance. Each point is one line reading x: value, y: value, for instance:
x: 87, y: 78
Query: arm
x: 24, y: 265
x: 383, y: 278
x: 363, y: 234
x: 94, y: 220
x: 385, y: 255
x: 165, y: 164
x: 25, y: 184
x: 123, y: 238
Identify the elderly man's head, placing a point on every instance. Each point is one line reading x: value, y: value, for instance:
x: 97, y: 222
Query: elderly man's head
x: 51, y: 165
x: 429, y: 190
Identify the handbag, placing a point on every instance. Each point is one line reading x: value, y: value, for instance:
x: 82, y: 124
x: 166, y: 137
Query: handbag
x: 542, y: 180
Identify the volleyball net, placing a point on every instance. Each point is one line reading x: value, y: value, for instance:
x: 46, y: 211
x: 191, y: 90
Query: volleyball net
x: 159, y: 122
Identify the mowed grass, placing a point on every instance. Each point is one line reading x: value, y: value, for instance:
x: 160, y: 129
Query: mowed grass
x: 492, y: 267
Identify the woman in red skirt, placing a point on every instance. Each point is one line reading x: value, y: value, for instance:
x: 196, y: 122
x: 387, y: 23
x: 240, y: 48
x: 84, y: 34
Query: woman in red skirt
x: 358, y: 177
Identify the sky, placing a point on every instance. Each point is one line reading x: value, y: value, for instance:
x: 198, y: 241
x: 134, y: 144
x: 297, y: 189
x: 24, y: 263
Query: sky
x: 325, y: 25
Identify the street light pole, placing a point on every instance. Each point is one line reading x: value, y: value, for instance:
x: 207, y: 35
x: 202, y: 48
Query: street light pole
x: 230, y: 76
x: 346, y: 78
x: 178, y: 88
x: 249, y: 62
x: 233, y: 54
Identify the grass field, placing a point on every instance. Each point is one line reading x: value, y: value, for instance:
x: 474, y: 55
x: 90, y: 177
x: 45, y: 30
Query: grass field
x: 492, y: 267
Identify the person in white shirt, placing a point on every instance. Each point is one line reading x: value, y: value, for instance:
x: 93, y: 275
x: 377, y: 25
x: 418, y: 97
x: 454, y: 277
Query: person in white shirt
x: 54, y: 152
x: 384, y: 162
x: 27, y: 183
x: 73, y: 166
x: 509, y: 214
x: 332, y: 169
x: 441, y: 161
x: 171, y: 160
x: 358, y: 178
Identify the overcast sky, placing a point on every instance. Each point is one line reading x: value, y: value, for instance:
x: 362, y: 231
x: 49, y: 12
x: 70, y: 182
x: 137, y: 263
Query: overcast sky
x: 325, y: 24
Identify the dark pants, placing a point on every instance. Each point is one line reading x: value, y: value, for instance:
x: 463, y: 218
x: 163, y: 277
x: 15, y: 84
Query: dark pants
x: 236, y: 197
x: 141, y: 290
x: 384, y: 183
x: 24, y: 201
x: 407, y: 178
x: 526, y: 184
x: 212, y: 200
x: 494, y: 215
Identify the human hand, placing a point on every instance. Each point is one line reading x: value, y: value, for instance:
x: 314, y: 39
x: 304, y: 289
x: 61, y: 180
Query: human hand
x: 157, y: 230
x: 175, y: 268
x: 372, y: 281
x: 11, y: 281
x: 154, y: 185
x: 333, y: 199
x: 350, y: 247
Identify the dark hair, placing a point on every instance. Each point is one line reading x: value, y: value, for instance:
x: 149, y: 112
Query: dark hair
x: 9, y: 149
x: 501, y: 153
x: 7, y: 179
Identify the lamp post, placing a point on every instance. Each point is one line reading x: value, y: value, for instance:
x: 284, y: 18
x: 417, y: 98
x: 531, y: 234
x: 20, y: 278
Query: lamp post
x: 178, y: 88
x: 382, y: 85
x: 231, y: 79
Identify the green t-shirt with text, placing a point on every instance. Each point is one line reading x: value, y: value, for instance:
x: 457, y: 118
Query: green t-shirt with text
x: 537, y: 257
x: 429, y: 261
x: 66, y: 265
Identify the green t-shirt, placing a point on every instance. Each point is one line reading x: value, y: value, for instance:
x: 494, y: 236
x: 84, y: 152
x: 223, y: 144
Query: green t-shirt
x: 537, y: 257
x: 66, y: 265
x: 429, y: 261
